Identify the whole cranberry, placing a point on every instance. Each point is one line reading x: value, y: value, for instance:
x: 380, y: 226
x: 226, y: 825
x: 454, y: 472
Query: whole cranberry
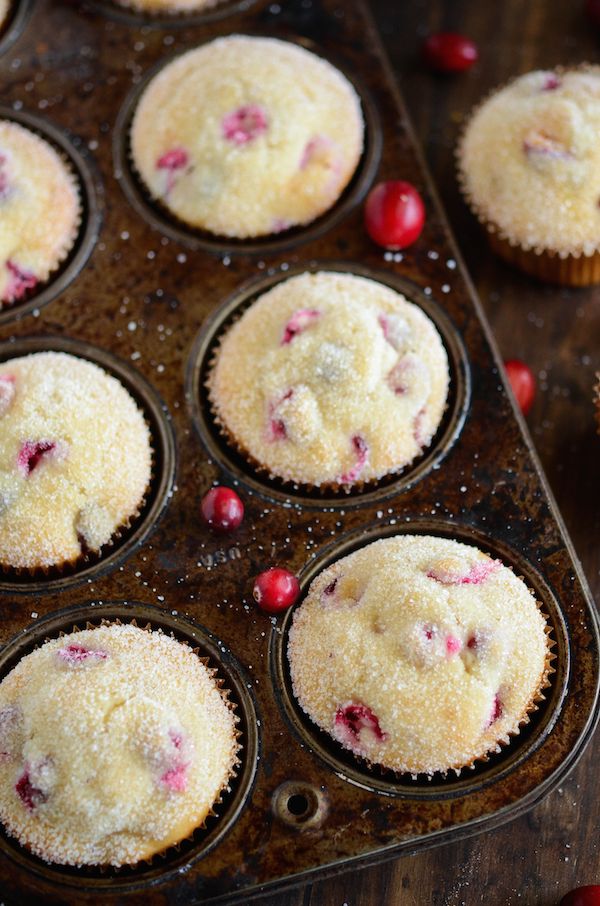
x: 276, y: 589
x: 449, y: 52
x: 394, y: 214
x: 522, y: 382
x: 592, y: 8
x: 222, y: 509
x: 589, y: 895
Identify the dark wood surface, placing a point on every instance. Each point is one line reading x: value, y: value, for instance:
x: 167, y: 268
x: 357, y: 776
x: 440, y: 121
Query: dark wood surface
x: 534, y: 860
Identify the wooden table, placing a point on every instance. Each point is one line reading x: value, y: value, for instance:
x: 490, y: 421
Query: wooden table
x: 534, y: 860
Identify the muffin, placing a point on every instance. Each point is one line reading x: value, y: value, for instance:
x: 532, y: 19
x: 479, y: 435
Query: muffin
x: 330, y: 379
x: 116, y: 743
x: 246, y: 136
x: 419, y: 654
x: 167, y: 6
x: 529, y: 166
x: 41, y: 211
x: 75, y: 460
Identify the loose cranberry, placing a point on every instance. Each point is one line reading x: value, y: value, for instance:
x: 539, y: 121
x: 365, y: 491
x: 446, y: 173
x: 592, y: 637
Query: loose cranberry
x: 449, y: 52
x: 222, y: 509
x: 276, y: 589
x: 592, y: 8
x: 522, y: 382
x: 394, y: 214
x: 589, y: 894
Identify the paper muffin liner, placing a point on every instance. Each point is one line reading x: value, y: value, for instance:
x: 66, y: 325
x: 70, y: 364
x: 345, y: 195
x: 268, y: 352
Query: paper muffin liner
x: 568, y: 266
x: 325, y: 488
x: 157, y: 858
x: 44, y: 278
x: 87, y: 556
x: 535, y: 702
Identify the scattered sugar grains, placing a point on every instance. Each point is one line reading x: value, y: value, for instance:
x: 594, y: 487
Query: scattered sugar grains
x: 418, y: 653
x: 116, y: 743
x: 66, y: 485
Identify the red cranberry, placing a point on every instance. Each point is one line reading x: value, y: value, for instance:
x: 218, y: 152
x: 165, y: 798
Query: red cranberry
x: 222, y: 509
x: 449, y: 52
x: 522, y: 382
x: 394, y: 214
x: 588, y: 895
x: 592, y: 8
x: 276, y: 589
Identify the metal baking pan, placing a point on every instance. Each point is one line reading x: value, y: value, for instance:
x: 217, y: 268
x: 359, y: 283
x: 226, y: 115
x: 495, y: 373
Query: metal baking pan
x: 147, y: 299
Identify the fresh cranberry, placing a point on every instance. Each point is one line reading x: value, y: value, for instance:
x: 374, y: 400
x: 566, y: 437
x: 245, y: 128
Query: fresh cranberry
x: 449, y: 52
x: 351, y: 720
x: 32, y: 453
x: 394, y: 214
x: 298, y: 323
x: 276, y: 589
x: 592, y: 8
x: 222, y: 509
x: 175, y: 159
x: 30, y: 795
x: 522, y: 382
x: 245, y: 124
x: 589, y: 894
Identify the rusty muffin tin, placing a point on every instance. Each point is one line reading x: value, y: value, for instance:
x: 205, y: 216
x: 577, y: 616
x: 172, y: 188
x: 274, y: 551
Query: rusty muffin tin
x: 149, y: 306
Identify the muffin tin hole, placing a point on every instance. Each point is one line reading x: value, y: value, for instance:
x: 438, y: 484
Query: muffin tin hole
x: 221, y: 9
x: 13, y: 25
x: 438, y: 786
x: 163, y: 445
x: 233, y: 801
x: 91, y: 194
x: 300, y: 805
x: 286, y: 492
x: 164, y: 221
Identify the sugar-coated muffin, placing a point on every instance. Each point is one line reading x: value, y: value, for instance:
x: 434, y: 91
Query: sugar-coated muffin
x: 75, y: 459
x: 167, y: 6
x: 529, y: 166
x: 115, y: 744
x: 41, y: 211
x: 247, y: 136
x: 330, y: 379
x: 418, y: 653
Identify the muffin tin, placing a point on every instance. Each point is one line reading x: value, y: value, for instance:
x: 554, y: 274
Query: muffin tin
x: 149, y: 306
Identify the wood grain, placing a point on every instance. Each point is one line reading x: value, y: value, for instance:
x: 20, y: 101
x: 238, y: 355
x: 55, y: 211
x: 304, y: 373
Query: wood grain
x: 534, y: 860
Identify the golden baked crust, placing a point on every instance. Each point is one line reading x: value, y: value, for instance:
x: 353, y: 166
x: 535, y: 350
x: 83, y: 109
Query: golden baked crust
x: 331, y: 379
x: 40, y: 208
x: 75, y: 459
x: 247, y: 136
x: 418, y: 653
x: 115, y: 744
x: 529, y: 162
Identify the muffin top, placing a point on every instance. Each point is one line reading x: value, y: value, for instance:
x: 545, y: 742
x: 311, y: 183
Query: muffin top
x: 418, y: 653
x: 40, y: 211
x: 331, y: 379
x: 115, y: 744
x: 529, y: 161
x: 247, y: 136
x: 75, y: 459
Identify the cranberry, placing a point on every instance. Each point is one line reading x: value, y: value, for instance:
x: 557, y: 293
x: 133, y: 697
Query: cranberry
x: 588, y: 895
x: 222, y: 509
x: 394, y: 214
x: 449, y: 52
x: 592, y: 8
x: 276, y: 589
x: 522, y: 382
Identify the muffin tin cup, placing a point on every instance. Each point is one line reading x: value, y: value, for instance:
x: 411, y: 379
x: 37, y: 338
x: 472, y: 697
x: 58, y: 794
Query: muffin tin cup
x: 242, y: 468
x: 220, y: 9
x: 230, y: 803
x: 16, y: 21
x: 91, y: 195
x: 485, y: 770
x: 127, y: 538
x: 161, y: 219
